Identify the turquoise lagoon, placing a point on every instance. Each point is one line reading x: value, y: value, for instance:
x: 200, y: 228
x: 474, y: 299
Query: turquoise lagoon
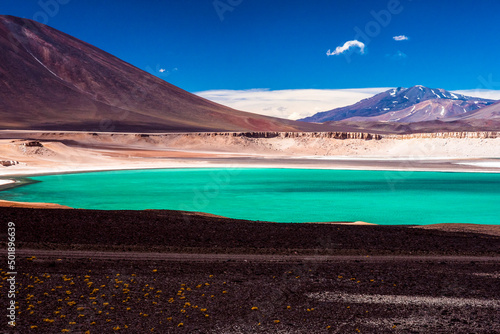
x: 280, y: 195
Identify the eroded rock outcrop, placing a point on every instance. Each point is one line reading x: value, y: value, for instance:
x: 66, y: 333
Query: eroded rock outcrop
x: 480, y: 135
x: 32, y: 144
x: 7, y: 163
x: 332, y: 135
x: 352, y: 135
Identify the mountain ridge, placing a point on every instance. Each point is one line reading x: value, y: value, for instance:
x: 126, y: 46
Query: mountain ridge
x: 380, y: 106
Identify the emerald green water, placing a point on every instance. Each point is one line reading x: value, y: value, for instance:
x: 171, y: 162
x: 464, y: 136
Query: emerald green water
x: 281, y: 195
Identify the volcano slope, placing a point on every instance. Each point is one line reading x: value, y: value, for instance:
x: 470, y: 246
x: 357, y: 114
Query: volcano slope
x: 50, y: 80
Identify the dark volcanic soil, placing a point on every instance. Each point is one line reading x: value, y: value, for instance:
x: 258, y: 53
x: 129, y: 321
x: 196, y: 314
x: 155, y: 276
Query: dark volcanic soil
x: 133, y: 294
x: 156, y: 230
x: 433, y: 282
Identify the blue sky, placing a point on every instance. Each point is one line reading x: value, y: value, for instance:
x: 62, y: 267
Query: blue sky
x: 282, y: 44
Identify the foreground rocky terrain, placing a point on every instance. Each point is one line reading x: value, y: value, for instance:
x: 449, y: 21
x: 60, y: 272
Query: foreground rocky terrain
x: 84, y: 271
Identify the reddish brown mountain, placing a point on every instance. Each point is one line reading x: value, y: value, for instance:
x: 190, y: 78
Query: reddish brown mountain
x: 50, y: 80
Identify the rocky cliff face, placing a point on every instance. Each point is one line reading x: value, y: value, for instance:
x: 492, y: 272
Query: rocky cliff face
x: 332, y: 135
x: 346, y: 135
x: 264, y: 135
x: 461, y: 135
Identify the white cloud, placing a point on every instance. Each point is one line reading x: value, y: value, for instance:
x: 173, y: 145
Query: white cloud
x: 491, y: 94
x: 401, y: 38
x: 162, y: 70
x: 290, y: 104
x: 347, y: 45
x: 300, y: 103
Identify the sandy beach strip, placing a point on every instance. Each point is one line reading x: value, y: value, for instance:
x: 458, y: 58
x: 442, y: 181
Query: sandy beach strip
x: 487, y: 164
x: 35, y: 205
x: 4, y: 182
x: 133, y: 163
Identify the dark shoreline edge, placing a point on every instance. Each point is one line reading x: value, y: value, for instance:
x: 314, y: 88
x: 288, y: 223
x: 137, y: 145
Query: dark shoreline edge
x: 178, y: 231
x: 19, y: 181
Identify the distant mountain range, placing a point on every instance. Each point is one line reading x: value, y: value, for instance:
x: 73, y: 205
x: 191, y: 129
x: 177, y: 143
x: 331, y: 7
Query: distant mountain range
x: 50, y: 80
x: 407, y: 105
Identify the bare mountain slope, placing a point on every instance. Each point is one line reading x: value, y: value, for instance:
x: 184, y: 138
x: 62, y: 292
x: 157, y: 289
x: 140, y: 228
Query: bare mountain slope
x: 415, y: 104
x: 430, y: 110
x: 491, y: 112
x: 50, y: 80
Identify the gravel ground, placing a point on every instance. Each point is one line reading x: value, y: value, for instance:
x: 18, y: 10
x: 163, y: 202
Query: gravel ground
x: 109, y: 272
x: 342, y: 296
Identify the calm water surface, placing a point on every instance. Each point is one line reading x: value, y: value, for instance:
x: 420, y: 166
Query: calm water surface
x: 281, y: 195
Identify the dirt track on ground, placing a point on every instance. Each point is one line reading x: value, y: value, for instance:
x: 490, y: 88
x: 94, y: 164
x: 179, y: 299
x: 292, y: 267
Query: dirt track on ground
x: 186, y: 257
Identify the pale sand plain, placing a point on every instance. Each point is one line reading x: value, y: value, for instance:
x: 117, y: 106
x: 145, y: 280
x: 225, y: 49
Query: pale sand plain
x: 64, y: 152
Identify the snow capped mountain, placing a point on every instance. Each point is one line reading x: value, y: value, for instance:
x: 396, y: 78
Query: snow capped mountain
x: 414, y: 104
x: 430, y: 110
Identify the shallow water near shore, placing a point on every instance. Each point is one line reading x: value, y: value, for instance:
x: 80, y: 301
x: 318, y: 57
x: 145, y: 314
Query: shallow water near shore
x: 280, y: 195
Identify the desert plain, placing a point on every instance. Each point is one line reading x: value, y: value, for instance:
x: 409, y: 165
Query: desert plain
x: 73, y: 151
